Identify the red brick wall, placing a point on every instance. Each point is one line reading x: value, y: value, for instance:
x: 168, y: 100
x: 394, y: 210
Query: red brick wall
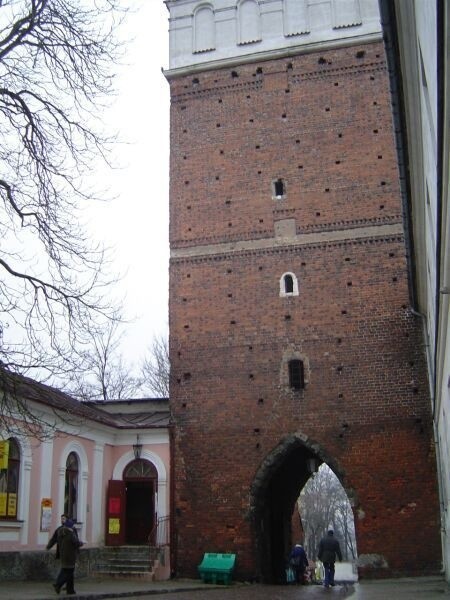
x: 322, y: 123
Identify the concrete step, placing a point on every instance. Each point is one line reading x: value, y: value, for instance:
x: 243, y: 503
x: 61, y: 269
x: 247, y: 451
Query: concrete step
x: 136, y: 551
x: 130, y: 562
x: 135, y: 575
x: 125, y: 558
x: 119, y: 566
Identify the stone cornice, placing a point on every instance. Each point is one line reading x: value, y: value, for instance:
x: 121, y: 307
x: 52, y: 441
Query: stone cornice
x: 283, y: 244
x: 271, y: 55
x: 260, y: 234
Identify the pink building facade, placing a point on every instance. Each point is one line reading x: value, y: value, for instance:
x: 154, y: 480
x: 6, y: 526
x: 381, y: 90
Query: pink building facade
x: 106, y: 465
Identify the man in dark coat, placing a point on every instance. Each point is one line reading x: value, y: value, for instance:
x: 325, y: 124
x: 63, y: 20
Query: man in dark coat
x: 68, y: 545
x: 54, y: 539
x: 298, y: 561
x: 329, y: 548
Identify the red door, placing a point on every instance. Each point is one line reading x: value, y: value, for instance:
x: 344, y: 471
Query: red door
x: 115, y: 513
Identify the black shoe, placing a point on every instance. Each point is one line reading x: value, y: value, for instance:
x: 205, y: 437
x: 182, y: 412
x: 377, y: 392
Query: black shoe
x: 71, y: 593
x: 56, y: 588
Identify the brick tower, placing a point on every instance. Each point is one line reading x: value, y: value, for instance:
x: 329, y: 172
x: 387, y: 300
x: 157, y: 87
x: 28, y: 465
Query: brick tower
x: 292, y: 341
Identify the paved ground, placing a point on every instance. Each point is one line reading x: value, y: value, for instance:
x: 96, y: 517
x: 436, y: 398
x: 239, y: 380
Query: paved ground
x: 422, y: 588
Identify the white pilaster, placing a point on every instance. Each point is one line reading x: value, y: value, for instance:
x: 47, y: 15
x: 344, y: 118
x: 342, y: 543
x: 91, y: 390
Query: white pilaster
x: 45, y: 484
x: 25, y: 501
x: 97, y: 502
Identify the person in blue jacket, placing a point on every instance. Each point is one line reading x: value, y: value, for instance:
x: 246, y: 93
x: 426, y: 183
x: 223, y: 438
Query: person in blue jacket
x: 298, y: 561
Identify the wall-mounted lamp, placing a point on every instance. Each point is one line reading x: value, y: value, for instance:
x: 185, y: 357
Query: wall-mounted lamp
x: 137, y: 448
x: 312, y: 465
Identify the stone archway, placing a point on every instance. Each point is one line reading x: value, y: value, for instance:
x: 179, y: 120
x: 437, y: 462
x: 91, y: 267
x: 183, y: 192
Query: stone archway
x: 273, y: 495
x: 156, y: 460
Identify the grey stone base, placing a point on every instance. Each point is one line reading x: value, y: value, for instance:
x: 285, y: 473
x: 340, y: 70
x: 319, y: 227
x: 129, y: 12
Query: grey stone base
x: 42, y: 565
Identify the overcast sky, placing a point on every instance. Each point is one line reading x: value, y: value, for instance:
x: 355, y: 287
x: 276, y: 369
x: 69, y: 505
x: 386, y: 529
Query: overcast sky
x: 135, y: 223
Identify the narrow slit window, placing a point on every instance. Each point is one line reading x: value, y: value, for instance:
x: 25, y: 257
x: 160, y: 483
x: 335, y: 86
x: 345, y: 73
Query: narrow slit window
x: 296, y: 375
x: 279, y: 189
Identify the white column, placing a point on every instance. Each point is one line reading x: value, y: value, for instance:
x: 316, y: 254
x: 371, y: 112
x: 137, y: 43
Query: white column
x: 25, y: 501
x: 162, y: 499
x: 45, y: 484
x: 98, y: 500
x: 82, y: 502
x: 61, y: 483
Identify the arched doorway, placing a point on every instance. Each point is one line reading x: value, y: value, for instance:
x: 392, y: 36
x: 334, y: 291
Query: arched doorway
x: 141, y: 479
x: 145, y: 478
x: 274, y: 494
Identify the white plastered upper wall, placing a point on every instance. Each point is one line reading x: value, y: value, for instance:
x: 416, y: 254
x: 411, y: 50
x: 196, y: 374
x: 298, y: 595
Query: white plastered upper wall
x: 222, y: 31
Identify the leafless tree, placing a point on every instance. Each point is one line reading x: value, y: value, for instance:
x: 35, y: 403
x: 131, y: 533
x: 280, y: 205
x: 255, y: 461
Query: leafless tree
x: 344, y: 523
x: 323, y: 503
x: 55, y: 63
x: 155, y: 369
x: 104, y: 375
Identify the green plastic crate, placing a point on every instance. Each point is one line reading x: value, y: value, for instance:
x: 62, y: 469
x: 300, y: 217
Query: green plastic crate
x: 217, y: 568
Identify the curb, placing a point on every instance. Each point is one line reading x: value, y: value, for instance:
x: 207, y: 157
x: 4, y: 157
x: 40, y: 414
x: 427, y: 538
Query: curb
x: 135, y: 593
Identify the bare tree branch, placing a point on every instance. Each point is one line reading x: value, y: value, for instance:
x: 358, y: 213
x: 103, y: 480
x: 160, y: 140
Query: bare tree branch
x: 155, y: 369
x: 103, y: 374
x: 57, y: 60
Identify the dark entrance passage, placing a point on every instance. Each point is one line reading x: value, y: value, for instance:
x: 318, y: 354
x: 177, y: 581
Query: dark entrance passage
x: 275, y: 492
x: 140, y: 482
x: 140, y: 511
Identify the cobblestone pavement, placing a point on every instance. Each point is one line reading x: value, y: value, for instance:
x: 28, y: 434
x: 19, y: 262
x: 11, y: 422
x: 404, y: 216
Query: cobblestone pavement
x: 427, y: 588
x: 260, y: 592
x: 421, y: 588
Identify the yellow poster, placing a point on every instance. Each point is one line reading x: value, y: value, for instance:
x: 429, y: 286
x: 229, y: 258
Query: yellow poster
x: 4, y: 454
x: 114, y: 526
x: 3, y: 496
x: 12, y: 505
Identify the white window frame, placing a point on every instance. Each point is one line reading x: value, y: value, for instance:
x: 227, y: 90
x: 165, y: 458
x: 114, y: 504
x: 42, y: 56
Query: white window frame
x: 283, y: 293
x: 83, y: 473
x: 23, y: 491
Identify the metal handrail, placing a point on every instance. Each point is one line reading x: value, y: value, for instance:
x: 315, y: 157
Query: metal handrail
x: 159, y: 535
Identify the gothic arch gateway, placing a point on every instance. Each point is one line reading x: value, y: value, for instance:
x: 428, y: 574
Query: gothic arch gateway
x: 273, y: 495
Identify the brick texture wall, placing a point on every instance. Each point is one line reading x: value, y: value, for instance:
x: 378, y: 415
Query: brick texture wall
x: 322, y: 123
